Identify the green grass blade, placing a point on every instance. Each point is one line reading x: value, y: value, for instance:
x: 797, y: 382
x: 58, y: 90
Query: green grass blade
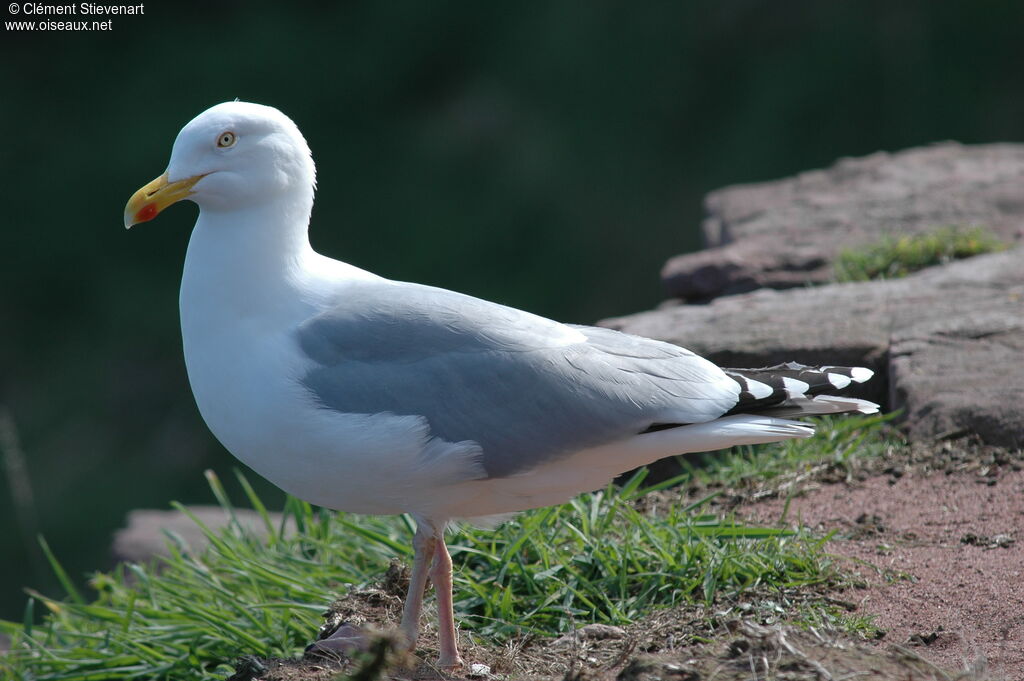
x: 256, y: 502
x: 58, y: 570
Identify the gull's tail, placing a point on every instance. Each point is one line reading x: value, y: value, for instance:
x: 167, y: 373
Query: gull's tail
x: 793, y: 389
x: 768, y: 397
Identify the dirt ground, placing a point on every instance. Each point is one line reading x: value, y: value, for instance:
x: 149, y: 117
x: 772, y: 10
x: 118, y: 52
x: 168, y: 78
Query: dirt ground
x: 931, y: 535
x: 940, y: 551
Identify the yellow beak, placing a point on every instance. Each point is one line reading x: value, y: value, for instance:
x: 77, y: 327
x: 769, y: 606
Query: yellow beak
x: 146, y: 203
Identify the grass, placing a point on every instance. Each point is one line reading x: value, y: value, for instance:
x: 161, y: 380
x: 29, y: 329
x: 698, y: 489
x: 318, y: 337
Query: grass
x: 598, y: 558
x: 898, y: 256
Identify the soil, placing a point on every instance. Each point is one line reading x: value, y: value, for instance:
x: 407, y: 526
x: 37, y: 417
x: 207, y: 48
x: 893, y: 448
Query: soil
x: 941, y: 553
x: 931, y: 535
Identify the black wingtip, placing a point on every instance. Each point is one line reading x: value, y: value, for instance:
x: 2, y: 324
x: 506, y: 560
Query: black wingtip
x: 793, y: 387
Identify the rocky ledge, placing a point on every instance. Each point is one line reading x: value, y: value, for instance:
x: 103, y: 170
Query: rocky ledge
x: 786, y: 233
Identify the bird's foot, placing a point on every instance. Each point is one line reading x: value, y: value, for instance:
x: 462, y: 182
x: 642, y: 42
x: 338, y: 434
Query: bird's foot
x: 450, y: 663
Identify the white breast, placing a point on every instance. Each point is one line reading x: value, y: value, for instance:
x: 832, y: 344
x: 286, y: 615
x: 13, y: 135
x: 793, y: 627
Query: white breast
x: 238, y: 321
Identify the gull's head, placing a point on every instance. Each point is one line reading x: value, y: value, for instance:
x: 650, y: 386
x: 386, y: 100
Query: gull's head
x: 232, y: 156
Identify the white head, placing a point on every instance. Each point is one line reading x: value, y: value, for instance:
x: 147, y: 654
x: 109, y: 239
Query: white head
x: 235, y: 155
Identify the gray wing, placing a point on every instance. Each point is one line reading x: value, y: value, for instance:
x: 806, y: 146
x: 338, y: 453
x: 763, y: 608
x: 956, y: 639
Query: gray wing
x: 525, y: 388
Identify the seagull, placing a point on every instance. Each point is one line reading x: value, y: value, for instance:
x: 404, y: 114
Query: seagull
x: 358, y: 393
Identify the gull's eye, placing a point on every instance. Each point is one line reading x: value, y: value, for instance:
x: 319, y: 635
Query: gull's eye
x: 226, y: 139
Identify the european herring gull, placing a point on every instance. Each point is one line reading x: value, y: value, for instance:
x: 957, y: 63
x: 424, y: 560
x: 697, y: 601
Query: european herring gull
x: 358, y: 393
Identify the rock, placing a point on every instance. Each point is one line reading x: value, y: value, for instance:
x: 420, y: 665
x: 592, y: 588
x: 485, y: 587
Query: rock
x: 145, y: 538
x: 947, y: 343
x: 787, y: 233
x: 478, y: 670
x: 594, y: 632
x: 959, y: 381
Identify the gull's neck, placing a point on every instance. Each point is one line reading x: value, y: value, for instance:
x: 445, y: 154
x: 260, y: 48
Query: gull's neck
x: 247, y: 264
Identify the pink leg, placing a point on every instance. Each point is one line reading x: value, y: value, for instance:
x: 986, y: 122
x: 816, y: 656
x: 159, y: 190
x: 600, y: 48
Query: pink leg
x: 441, y: 576
x: 423, y: 543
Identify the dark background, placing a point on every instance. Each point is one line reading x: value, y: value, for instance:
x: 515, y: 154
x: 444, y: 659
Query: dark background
x: 548, y: 155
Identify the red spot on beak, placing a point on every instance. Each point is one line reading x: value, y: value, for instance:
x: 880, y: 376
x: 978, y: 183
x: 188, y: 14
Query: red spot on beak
x: 146, y: 213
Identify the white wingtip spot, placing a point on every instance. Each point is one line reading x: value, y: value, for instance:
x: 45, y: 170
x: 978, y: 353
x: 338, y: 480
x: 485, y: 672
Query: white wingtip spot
x: 758, y: 389
x: 795, y: 387
x: 862, y: 406
x: 838, y: 381
x: 861, y: 374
